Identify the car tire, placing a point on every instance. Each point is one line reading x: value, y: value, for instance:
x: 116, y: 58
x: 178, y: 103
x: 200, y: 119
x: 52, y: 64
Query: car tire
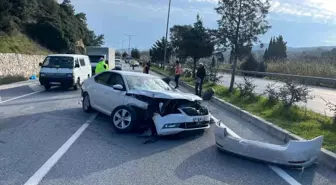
x: 47, y: 87
x: 86, y: 105
x: 128, y: 118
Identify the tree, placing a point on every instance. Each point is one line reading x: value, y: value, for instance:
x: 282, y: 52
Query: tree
x: 277, y: 49
x: 124, y: 55
x: 241, y: 22
x: 118, y: 54
x: 157, y: 51
x: 135, y: 53
x: 176, y: 37
x: 196, y: 43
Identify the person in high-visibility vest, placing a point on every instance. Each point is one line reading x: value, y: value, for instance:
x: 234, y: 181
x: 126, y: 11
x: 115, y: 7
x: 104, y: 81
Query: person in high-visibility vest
x: 101, y: 66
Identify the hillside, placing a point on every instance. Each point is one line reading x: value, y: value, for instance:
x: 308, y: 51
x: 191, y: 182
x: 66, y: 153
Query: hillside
x: 20, y: 43
x: 27, y: 25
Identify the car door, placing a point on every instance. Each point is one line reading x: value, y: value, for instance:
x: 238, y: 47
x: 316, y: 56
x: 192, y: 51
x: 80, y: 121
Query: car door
x: 114, y: 97
x: 83, y: 72
x: 97, y: 90
x: 77, y: 70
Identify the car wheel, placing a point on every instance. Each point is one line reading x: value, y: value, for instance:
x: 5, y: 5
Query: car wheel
x: 123, y: 119
x: 86, y: 105
x: 77, y: 85
x: 47, y: 87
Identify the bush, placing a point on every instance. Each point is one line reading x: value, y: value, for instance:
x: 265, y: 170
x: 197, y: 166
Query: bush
x: 11, y: 79
x: 331, y: 107
x: 252, y: 64
x: 246, y: 89
x: 292, y: 93
x: 271, y: 93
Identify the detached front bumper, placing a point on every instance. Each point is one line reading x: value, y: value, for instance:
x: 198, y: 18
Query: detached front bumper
x: 293, y: 154
x: 177, y: 123
x: 57, y: 81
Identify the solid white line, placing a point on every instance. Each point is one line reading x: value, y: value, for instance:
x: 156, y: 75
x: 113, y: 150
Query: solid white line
x: 46, y: 167
x: 19, y: 97
x: 277, y: 170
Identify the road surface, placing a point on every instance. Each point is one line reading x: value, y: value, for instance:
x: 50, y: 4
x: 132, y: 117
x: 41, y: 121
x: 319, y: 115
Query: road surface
x: 317, y: 104
x: 46, y: 138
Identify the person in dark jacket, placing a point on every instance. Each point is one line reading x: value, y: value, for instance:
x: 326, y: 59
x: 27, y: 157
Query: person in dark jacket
x: 200, y: 75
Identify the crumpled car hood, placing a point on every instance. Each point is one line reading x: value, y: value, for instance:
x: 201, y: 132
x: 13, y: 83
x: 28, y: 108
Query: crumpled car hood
x: 166, y: 94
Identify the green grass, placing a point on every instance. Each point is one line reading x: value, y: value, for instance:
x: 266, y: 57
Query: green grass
x: 11, y: 79
x: 304, y: 123
x: 20, y: 43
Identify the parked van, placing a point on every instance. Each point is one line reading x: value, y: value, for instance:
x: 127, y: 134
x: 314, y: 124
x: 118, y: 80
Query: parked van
x: 65, y: 70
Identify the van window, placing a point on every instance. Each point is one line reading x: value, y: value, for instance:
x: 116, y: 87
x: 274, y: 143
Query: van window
x: 76, y: 62
x: 58, y: 62
x: 82, y: 62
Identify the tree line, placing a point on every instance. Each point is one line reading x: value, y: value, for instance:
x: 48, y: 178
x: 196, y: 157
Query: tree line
x: 54, y: 26
x: 240, y: 24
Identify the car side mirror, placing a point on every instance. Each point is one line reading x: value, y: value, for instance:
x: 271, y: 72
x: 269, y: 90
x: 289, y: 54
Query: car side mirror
x: 40, y: 64
x: 77, y: 66
x: 118, y: 87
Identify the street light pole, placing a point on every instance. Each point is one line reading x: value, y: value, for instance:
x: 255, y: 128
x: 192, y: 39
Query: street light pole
x: 166, y: 39
x: 129, y: 43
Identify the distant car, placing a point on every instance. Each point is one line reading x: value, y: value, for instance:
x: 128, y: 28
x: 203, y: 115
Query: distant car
x: 134, y: 63
x: 133, y: 98
x: 118, y: 65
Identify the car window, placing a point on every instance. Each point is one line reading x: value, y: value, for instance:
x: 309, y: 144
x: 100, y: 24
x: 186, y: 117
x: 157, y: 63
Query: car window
x: 147, y: 83
x: 115, y: 79
x: 58, y: 62
x: 82, y: 62
x: 103, y: 78
x: 76, y: 61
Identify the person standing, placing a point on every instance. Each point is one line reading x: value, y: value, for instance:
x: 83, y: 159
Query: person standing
x: 178, y: 72
x: 200, y: 75
x: 146, y: 68
x: 101, y: 66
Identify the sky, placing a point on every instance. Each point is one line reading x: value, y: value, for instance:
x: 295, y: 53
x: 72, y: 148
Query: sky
x: 303, y: 23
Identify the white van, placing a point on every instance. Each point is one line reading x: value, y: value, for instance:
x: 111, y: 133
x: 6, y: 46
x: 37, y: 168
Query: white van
x: 65, y: 70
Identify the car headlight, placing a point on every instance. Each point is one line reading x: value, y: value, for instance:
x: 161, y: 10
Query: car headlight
x: 69, y: 75
x: 42, y: 74
x: 171, y: 125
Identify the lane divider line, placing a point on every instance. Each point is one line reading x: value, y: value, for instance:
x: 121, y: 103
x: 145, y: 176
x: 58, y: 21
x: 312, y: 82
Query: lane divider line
x: 47, y: 166
x: 285, y: 176
x: 20, y: 97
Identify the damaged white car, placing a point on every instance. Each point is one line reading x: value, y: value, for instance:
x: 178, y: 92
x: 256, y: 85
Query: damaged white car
x: 295, y: 154
x: 135, y: 99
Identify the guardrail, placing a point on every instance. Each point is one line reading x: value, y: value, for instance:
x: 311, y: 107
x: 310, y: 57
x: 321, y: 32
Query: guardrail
x: 311, y: 80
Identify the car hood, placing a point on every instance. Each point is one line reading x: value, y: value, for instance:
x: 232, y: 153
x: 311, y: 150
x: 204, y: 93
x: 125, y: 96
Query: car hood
x: 166, y: 95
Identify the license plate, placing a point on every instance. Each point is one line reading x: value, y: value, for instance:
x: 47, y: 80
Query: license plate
x: 198, y: 119
x: 55, y: 83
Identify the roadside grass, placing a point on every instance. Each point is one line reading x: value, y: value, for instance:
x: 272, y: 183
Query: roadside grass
x: 11, y: 79
x: 22, y: 44
x: 319, y: 68
x: 300, y: 121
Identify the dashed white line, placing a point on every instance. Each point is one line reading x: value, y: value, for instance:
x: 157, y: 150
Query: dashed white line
x: 46, y: 167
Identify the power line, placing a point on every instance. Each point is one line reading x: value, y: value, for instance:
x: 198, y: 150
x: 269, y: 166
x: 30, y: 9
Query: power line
x: 129, y: 43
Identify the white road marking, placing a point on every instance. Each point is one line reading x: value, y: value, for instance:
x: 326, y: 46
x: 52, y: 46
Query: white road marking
x: 46, y: 167
x: 285, y: 176
x: 19, y: 97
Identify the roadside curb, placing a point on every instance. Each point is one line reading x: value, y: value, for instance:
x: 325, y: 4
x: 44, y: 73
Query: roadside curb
x: 326, y: 157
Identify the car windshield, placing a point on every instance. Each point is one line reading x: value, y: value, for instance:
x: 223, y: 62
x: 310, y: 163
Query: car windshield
x: 146, y: 83
x: 58, y: 62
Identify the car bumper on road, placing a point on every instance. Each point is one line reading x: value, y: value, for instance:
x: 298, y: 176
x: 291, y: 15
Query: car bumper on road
x: 295, y: 154
x: 57, y: 81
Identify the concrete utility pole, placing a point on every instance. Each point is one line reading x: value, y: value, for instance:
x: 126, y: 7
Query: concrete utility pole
x: 129, y: 43
x: 166, y: 39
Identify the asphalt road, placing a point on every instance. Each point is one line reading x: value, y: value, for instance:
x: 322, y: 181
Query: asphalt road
x: 317, y: 104
x: 35, y: 131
